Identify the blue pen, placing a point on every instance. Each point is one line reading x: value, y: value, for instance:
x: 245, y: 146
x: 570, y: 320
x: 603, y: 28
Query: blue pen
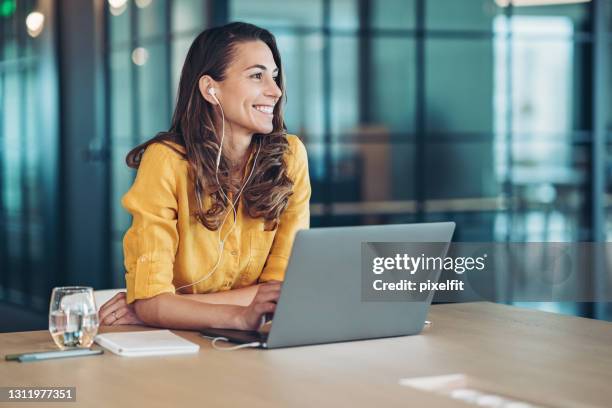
x: 47, y: 355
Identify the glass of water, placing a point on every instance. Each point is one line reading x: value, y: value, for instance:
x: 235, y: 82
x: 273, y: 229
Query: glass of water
x: 73, y: 318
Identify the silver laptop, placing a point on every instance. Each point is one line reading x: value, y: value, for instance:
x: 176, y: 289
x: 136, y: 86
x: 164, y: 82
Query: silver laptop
x: 321, y: 297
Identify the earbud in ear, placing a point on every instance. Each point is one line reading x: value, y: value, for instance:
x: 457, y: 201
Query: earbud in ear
x: 211, y: 91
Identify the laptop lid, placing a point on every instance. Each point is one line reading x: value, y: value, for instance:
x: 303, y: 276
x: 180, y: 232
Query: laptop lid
x: 321, y: 297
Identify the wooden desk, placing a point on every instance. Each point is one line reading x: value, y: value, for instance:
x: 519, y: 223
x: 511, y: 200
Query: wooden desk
x: 566, y: 361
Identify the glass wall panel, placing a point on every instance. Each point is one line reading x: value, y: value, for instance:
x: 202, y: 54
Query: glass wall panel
x: 608, y: 101
x: 345, y: 84
x: 577, y: 16
x: 317, y: 170
x: 153, y: 89
x: 548, y: 91
x: 459, y: 85
x: 119, y: 26
x: 469, y: 15
x: 393, y: 14
x: 275, y: 13
x: 188, y: 15
x: 550, y: 191
x: 455, y: 170
x: 366, y: 173
x: 344, y: 14
x: 27, y: 123
x: 506, y: 118
x: 180, y: 47
x: 122, y: 114
x: 392, y: 84
x: 152, y: 18
x: 302, y: 61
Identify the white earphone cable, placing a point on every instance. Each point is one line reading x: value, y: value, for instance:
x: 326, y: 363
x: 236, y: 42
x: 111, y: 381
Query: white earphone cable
x: 232, y: 348
x: 232, y: 203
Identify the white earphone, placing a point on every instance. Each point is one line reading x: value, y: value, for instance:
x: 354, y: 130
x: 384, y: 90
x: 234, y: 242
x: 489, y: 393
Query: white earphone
x: 233, y: 203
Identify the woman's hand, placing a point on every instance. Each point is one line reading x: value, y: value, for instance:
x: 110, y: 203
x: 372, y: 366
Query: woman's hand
x: 264, y: 302
x: 117, y: 311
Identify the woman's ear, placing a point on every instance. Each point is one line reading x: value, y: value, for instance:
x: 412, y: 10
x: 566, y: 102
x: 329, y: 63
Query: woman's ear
x: 206, y: 84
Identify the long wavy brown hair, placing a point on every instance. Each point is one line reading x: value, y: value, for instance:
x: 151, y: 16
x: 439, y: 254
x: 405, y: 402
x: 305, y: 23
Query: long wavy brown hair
x: 193, y: 128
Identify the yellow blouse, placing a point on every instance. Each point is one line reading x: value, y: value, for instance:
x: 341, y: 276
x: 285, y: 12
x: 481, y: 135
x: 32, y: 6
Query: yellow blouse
x: 166, y: 247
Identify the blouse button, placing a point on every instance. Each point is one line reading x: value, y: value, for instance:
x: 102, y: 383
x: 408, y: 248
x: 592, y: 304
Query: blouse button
x: 234, y: 252
x: 142, y: 258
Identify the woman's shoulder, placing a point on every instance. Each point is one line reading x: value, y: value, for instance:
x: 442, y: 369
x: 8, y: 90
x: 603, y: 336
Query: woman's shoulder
x: 296, y: 147
x: 163, y: 159
x: 166, y: 150
x: 296, y: 157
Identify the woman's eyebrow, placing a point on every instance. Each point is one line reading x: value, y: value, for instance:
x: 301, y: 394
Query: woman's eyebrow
x: 263, y: 67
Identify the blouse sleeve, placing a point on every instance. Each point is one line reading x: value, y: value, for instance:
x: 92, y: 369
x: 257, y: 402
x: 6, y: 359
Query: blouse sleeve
x: 150, y: 244
x: 295, y: 217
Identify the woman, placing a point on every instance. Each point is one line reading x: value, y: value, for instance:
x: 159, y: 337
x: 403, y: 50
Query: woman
x: 219, y: 197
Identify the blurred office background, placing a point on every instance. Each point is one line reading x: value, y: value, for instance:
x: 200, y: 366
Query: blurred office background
x: 490, y: 113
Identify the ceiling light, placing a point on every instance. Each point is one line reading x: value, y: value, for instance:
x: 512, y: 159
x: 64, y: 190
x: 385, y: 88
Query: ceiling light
x: 35, y: 22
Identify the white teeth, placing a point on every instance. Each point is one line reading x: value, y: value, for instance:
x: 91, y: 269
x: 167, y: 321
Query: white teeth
x: 264, y: 109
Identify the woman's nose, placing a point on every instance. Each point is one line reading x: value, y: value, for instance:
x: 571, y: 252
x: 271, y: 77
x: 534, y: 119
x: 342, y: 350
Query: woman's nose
x: 273, y: 89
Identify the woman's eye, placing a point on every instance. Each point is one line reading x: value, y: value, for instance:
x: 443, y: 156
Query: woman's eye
x: 257, y: 75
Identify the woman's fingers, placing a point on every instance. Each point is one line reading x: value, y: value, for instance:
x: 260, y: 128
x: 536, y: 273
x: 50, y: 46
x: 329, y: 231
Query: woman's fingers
x: 124, y: 315
x: 128, y: 319
x: 107, y: 320
x: 111, y: 313
x: 111, y: 303
x: 107, y: 316
x: 262, y: 308
x: 119, y: 313
x: 266, y: 287
x: 117, y: 298
x: 270, y: 296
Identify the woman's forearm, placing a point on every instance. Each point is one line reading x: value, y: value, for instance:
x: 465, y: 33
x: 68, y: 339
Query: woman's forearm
x: 241, y: 297
x: 179, y: 312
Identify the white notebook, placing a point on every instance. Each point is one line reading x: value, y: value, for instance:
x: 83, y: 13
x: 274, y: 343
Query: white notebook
x: 146, y: 343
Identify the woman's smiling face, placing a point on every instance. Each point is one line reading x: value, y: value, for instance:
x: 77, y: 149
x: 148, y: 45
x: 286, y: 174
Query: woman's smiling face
x: 249, y: 91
